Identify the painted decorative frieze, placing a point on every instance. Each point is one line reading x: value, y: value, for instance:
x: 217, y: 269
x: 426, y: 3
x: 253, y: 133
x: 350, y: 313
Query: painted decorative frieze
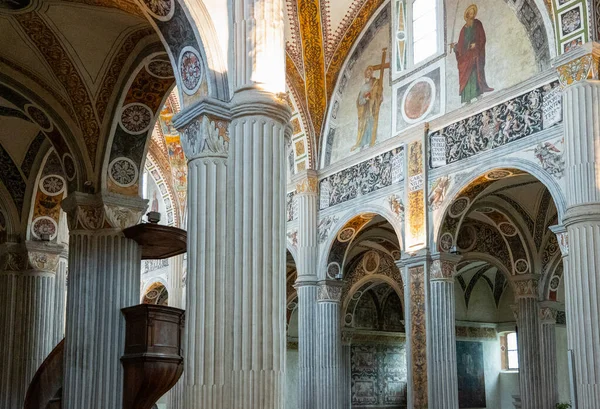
x: 364, y: 178
x: 512, y: 120
x: 290, y: 206
x: 416, y: 196
x: 418, y: 335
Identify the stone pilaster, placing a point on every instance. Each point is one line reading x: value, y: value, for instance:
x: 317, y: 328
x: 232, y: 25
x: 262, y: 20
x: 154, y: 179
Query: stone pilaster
x: 528, y: 341
x: 306, y: 285
x: 207, y: 349
x: 414, y: 268
x: 175, y: 397
x: 548, y: 356
x: 442, y: 337
x: 104, y: 276
x: 27, y: 314
x: 257, y: 242
x: 329, y: 356
x: 579, y: 74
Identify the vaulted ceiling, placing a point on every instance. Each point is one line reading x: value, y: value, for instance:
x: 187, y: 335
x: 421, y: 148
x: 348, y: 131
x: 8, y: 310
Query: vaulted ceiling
x: 319, y: 37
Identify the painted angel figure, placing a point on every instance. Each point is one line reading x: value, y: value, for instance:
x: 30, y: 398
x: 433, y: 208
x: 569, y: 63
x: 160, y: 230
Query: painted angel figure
x: 470, y: 55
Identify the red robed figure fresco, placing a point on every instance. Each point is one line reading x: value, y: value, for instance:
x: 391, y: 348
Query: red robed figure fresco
x: 470, y: 55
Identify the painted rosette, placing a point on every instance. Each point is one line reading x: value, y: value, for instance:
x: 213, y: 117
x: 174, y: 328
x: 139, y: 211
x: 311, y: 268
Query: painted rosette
x: 190, y: 70
x: 136, y: 118
x: 123, y: 172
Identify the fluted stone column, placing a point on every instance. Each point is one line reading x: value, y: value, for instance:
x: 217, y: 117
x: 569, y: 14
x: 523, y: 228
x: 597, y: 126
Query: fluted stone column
x: 529, y: 342
x: 60, y: 298
x: 206, y: 348
x: 579, y: 75
x: 104, y: 277
x: 330, y: 384
x: 346, y: 371
x: 306, y: 286
x: 256, y: 204
x: 548, y: 356
x: 443, y: 370
x: 175, y: 397
x: 27, y: 315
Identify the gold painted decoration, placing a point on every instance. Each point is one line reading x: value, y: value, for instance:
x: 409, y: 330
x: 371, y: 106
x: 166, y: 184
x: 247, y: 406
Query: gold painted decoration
x: 416, y: 196
x: 309, y: 184
x: 580, y: 69
x: 418, y: 335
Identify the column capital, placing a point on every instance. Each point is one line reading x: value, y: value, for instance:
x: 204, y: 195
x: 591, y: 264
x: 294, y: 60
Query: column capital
x: 347, y: 337
x: 526, y: 287
x: 30, y: 257
x: 548, y: 315
x: 307, y: 182
x: 205, y: 136
x: 562, y: 236
x: 330, y: 291
x: 443, y: 266
x: 99, y: 211
x: 579, y: 65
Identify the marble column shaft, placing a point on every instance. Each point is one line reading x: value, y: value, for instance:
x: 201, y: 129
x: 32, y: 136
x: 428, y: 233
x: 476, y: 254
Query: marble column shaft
x: 257, y: 243
x: 306, y: 285
x: 175, y: 397
x: 529, y: 342
x: 329, y: 348
x: 206, y: 348
x: 346, y: 373
x: 104, y: 277
x: 581, y: 113
x: 60, y: 300
x: 27, y: 317
x: 548, y: 357
x: 443, y: 369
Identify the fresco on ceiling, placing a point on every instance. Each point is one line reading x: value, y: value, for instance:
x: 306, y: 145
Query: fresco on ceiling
x: 361, y: 113
x: 481, y: 51
x: 157, y: 294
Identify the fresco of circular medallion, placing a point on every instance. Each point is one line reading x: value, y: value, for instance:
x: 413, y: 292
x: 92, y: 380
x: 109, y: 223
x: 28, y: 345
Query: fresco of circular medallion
x: 348, y: 319
x: 396, y: 254
x: 554, y: 283
x: 69, y: 166
x: 39, y: 117
x: 346, y: 234
x: 370, y: 262
x: 190, y: 70
x: 418, y: 100
x: 521, y: 266
x: 498, y: 174
x: 123, y: 172
x: 446, y: 242
x: 136, y: 118
x: 162, y: 10
x: 44, y: 226
x: 292, y: 306
x: 507, y: 229
x: 459, y: 206
x: 467, y: 238
x: 52, y: 185
x: 357, y: 295
x: 160, y: 68
x: 333, y: 269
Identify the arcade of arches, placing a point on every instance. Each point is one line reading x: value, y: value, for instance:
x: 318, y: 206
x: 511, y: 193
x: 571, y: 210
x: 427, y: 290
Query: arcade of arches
x: 388, y: 203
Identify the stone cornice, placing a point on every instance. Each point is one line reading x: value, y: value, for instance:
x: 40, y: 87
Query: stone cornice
x: 205, y: 106
x: 256, y: 102
x: 99, y: 211
x: 587, y: 212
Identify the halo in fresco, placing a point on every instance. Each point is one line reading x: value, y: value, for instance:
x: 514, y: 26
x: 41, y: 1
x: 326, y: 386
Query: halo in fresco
x: 162, y: 10
x: 69, y: 165
x: 44, y: 225
x: 52, y: 185
x: 418, y: 100
x: 160, y: 68
x: 39, y: 117
x: 123, y: 172
x: 190, y: 70
x: 136, y: 118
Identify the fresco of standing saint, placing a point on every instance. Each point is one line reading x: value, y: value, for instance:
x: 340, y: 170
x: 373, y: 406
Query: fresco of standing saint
x: 470, y: 55
x: 368, y: 102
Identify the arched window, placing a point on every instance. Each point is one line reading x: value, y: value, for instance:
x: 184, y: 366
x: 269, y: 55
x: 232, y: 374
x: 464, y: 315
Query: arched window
x: 418, y: 36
